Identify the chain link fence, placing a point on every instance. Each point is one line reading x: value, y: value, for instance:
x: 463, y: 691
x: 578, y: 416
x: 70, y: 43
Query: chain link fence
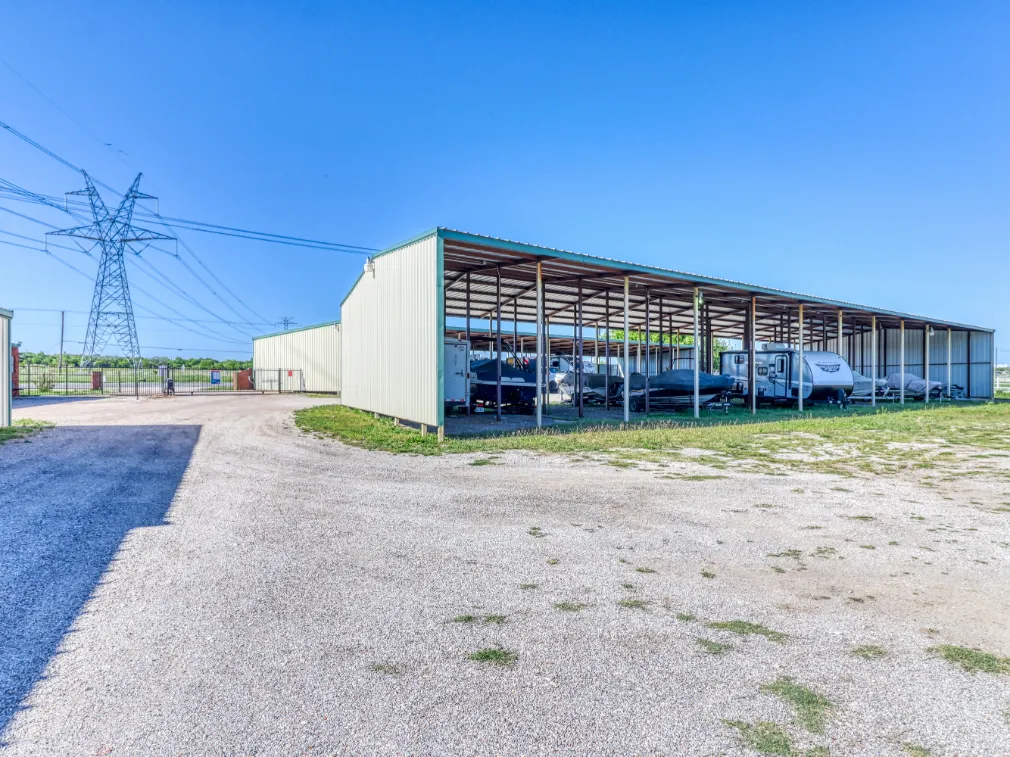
x: 47, y: 380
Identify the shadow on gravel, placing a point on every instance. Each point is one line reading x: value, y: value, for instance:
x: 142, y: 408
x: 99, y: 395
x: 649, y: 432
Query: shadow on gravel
x: 67, y: 500
x: 53, y: 399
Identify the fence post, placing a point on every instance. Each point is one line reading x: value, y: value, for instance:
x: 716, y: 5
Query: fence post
x: 66, y: 379
x: 279, y: 380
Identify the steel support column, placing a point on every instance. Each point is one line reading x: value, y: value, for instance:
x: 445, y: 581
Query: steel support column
x: 873, y: 360
x: 799, y: 390
x: 648, y: 346
x: 950, y: 393
x: 606, y: 347
x: 627, y: 361
x: 540, y: 345
x: 577, y: 355
x: 925, y: 358
x: 497, y: 410
x: 696, y: 361
x: 468, y: 336
x: 901, y: 370
x: 752, y: 358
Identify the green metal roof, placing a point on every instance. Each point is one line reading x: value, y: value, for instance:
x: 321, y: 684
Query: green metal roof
x: 292, y: 331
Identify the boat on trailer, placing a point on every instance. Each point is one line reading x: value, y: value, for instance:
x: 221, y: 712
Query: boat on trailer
x: 518, y: 387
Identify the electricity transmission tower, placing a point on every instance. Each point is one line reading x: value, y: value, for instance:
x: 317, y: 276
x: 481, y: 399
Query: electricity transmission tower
x: 111, y: 318
x: 287, y: 322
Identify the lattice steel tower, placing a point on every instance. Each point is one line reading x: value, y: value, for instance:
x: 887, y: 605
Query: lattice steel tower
x: 111, y: 317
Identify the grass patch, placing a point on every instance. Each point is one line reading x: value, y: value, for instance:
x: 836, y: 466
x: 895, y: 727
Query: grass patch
x: 527, y: 587
x: 777, y: 569
x: 972, y: 660
x: 22, y: 428
x: 713, y: 647
x: 496, y: 619
x: 464, y: 619
x: 870, y: 652
x: 634, y: 604
x: 483, y: 461
x: 860, y: 440
x: 700, y: 477
x: 914, y: 750
x: 744, y: 628
x: 645, y: 570
x: 387, y: 668
x: 628, y: 586
x: 860, y: 517
x: 811, y: 708
x: 763, y: 737
x: 686, y: 617
x: 536, y: 531
x: 707, y: 574
x: 796, y: 554
x: 495, y: 656
x: 553, y: 561
x: 570, y: 606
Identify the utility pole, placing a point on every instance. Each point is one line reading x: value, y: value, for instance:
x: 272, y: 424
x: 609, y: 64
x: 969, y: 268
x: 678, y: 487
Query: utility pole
x: 62, y: 318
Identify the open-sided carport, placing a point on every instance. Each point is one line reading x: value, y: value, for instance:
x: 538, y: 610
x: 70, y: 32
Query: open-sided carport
x: 405, y: 294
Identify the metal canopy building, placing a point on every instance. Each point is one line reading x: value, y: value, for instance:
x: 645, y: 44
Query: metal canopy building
x: 407, y: 291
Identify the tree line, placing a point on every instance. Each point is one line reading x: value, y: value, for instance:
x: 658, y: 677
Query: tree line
x: 74, y: 361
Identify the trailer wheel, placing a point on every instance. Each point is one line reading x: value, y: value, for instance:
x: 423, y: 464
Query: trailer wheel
x: 636, y: 405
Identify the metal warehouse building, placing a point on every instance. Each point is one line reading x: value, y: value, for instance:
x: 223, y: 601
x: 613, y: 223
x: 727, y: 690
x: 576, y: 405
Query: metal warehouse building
x: 313, y: 351
x: 393, y: 320
x: 6, y: 367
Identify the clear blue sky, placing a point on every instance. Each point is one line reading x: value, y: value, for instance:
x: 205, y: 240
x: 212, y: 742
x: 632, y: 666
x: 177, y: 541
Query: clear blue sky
x: 854, y: 150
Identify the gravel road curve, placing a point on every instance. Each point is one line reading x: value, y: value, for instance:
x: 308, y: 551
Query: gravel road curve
x: 194, y: 576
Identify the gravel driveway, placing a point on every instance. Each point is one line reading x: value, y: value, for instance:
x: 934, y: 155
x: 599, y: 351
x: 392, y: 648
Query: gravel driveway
x: 194, y: 576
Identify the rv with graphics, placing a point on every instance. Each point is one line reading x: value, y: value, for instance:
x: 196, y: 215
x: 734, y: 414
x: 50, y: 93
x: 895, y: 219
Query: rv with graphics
x: 826, y: 375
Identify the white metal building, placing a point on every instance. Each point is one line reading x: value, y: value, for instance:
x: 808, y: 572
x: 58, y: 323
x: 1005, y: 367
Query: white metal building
x: 394, y: 318
x: 313, y: 351
x: 6, y: 367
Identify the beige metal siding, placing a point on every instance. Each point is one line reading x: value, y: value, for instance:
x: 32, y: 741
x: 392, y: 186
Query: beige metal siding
x: 315, y: 351
x: 6, y: 370
x: 392, y: 337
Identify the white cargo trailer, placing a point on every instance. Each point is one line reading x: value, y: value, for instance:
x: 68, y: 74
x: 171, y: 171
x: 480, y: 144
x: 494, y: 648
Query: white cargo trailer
x: 456, y: 372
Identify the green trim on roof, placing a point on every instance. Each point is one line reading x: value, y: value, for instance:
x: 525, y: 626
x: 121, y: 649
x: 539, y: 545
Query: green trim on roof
x: 292, y: 331
x: 394, y: 248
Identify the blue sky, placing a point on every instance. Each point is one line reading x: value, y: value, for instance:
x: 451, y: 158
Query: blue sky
x: 856, y: 151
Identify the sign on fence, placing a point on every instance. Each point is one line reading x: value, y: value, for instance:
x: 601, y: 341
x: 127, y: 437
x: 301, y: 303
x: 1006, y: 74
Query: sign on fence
x: 215, y: 377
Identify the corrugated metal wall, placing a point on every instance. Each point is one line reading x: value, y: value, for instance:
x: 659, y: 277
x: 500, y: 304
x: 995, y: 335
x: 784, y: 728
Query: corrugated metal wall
x: 857, y: 351
x: 6, y: 371
x: 314, y: 350
x: 392, y: 335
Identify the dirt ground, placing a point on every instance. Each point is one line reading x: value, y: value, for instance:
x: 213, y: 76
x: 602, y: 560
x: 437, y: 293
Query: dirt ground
x: 195, y: 576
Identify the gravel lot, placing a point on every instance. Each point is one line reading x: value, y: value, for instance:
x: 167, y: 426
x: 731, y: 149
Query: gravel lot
x: 194, y: 576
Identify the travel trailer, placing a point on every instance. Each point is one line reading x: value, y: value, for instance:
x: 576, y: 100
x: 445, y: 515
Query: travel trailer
x: 826, y: 375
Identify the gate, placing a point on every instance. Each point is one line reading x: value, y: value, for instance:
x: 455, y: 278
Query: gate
x: 50, y: 380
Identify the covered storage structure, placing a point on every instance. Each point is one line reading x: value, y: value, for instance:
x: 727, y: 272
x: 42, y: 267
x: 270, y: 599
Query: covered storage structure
x: 394, y: 319
x: 6, y: 367
x: 312, y: 352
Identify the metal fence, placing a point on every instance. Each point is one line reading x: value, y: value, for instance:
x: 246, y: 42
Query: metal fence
x: 43, y: 380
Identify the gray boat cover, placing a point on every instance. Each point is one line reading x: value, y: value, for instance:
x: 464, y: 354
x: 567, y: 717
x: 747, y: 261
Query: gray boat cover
x: 913, y: 384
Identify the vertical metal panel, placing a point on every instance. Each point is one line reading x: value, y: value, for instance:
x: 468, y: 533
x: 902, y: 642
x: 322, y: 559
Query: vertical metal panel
x: 6, y: 369
x: 981, y: 363
x: 314, y: 351
x: 391, y: 343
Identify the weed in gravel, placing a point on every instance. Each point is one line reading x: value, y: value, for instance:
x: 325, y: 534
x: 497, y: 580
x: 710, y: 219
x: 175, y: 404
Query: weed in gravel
x: 536, y: 531
x: 818, y: 751
x: 972, y: 660
x: 765, y: 506
x: 811, y: 528
x: 569, y: 606
x: 777, y: 569
x: 634, y: 604
x: 745, y: 628
x: 553, y: 561
x: 796, y: 554
x: 496, y: 619
x: 869, y: 652
x: 386, y: 667
x: 464, y: 619
x: 866, y: 546
x: 811, y: 707
x: 645, y: 570
x: 483, y: 461
x: 914, y: 750
x: 686, y: 617
x: 892, y: 544
x: 700, y: 477
x: 763, y: 737
x: 627, y: 586
x: 860, y: 517
x: 840, y: 489
x: 707, y: 574
x: 825, y: 552
x: 797, y: 491
x: 495, y: 655
x: 713, y: 647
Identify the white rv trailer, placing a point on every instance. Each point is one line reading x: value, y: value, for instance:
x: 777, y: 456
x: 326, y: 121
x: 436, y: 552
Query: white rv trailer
x: 826, y: 375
